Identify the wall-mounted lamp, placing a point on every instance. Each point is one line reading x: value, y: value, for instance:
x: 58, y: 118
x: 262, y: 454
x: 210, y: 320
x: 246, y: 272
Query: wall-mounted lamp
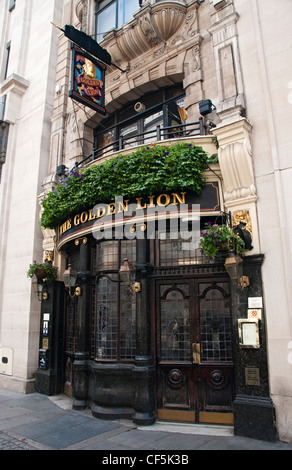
x: 234, y: 267
x: 38, y: 288
x: 206, y: 107
x: 70, y: 279
x: 126, y: 273
x: 62, y: 170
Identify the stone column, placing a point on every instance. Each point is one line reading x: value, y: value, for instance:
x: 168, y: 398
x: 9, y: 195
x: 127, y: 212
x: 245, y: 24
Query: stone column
x: 81, y: 354
x: 143, y: 371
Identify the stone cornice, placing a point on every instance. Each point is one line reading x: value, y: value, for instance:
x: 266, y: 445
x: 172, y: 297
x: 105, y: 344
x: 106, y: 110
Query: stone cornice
x: 14, y: 83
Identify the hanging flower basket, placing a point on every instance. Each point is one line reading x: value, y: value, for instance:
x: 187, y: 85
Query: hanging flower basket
x: 43, y: 272
x: 40, y: 274
x: 217, y: 239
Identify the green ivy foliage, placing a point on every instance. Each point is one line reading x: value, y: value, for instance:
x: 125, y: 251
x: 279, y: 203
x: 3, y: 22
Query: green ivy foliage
x: 150, y: 170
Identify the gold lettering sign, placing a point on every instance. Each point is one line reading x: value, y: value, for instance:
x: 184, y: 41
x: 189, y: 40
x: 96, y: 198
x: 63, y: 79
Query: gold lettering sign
x: 119, y: 207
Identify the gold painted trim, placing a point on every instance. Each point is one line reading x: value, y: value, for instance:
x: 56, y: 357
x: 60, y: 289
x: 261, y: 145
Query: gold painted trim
x: 215, y: 418
x: 176, y: 415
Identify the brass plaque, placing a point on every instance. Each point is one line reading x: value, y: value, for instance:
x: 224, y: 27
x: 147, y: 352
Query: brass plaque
x: 252, y: 376
x: 45, y: 343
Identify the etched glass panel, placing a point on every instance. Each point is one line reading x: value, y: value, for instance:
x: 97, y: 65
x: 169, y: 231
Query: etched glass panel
x: 175, y: 327
x: 108, y: 255
x: 215, y: 327
x: 106, y: 319
x: 177, y: 251
x: 127, y: 323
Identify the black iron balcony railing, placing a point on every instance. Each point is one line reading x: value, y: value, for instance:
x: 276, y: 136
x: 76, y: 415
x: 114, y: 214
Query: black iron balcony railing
x: 157, y: 134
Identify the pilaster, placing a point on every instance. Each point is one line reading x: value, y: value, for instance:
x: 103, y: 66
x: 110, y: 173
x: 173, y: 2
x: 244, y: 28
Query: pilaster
x: 235, y: 159
x: 231, y: 102
x: 81, y: 354
x: 143, y: 371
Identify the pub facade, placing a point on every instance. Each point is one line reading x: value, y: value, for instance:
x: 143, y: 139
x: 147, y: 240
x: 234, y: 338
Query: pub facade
x: 165, y: 344
x: 150, y: 146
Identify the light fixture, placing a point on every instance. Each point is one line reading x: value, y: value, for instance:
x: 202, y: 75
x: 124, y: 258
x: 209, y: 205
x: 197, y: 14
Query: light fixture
x: 206, y: 107
x: 234, y: 267
x: 62, y: 170
x: 70, y: 279
x: 126, y: 274
x: 38, y: 288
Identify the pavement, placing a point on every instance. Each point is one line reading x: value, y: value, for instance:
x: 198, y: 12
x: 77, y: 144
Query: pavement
x: 37, y: 422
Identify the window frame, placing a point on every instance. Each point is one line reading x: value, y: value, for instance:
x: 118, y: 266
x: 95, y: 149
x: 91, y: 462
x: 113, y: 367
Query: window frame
x: 111, y: 273
x: 7, y: 58
x: 11, y: 5
x: 98, y: 11
x: 135, y: 118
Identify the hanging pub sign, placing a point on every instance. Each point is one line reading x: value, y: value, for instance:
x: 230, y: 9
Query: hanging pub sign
x: 87, y: 80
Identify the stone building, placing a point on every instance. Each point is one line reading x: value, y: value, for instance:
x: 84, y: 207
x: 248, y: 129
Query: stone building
x: 184, y: 345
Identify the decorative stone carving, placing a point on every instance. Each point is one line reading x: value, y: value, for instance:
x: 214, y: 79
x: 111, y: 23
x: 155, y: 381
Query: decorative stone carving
x: 235, y: 160
x: 151, y: 26
x: 148, y: 30
x: 167, y: 19
x: 235, y: 163
x: 197, y: 59
x: 191, y: 24
x: 81, y: 9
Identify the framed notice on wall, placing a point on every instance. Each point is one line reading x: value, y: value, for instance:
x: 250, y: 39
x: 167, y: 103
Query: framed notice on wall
x: 87, y: 80
x: 248, y: 330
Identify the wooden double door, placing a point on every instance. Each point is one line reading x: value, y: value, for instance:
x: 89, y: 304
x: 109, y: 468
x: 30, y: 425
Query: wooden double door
x: 194, y: 350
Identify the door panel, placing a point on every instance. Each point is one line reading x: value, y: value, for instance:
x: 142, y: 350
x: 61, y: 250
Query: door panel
x: 194, y: 356
x: 215, y: 402
x: 176, y: 393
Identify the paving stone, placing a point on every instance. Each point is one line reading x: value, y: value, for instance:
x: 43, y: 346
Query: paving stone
x: 10, y: 443
x: 63, y: 431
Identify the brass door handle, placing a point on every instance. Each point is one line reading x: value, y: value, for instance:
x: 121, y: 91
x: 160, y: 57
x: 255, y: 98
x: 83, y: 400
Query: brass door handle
x: 196, y: 347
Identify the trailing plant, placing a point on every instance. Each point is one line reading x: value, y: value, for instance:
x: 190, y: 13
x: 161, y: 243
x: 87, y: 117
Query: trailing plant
x: 42, y: 271
x: 147, y: 171
x: 219, y: 238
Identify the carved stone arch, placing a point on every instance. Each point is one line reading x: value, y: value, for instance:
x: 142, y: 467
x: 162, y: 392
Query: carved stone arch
x: 124, y: 88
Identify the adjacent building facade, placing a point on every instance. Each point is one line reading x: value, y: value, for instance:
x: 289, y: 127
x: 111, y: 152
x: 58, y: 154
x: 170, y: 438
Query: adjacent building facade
x: 180, y: 341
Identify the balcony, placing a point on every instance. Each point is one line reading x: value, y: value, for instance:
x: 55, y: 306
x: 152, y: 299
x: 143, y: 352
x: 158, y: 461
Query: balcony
x: 163, y: 135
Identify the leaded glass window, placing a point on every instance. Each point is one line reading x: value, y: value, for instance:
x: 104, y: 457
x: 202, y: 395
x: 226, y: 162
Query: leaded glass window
x: 215, y: 327
x: 113, y: 305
